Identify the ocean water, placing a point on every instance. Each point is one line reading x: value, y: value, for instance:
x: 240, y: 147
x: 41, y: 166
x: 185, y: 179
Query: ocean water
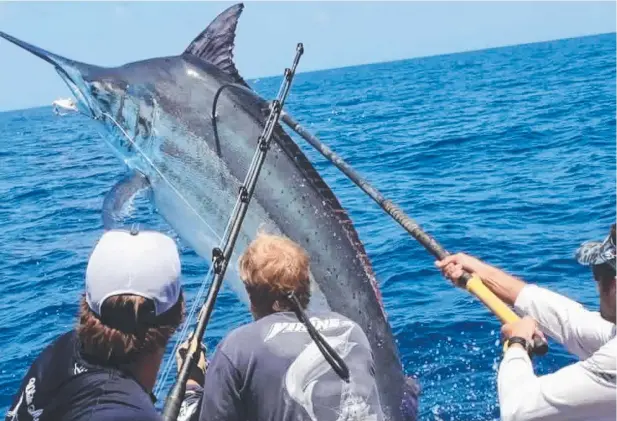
x: 507, y: 154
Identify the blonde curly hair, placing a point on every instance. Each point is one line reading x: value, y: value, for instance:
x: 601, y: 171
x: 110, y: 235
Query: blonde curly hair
x: 271, y: 267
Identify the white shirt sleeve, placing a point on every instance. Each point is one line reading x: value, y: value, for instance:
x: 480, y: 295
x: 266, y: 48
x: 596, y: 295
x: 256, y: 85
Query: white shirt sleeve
x: 579, y: 330
x: 584, y: 391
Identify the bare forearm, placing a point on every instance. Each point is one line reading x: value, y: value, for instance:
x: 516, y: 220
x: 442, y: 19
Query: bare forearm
x: 505, y: 286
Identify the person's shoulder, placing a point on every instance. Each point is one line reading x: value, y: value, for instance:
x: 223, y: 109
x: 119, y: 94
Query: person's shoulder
x: 113, y: 396
x: 249, y: 336
x: 237, y: 338
x: 61, y: 346
x: 64, y: 340
x: 603, y: 362
x: 348, y: 323
x: 239, y: 332
x: 117, y: 391
x: 256, y: 329
x: 344, y: 320
x: 128, y: 412
x: 124, y: 400
x: 609, y: 349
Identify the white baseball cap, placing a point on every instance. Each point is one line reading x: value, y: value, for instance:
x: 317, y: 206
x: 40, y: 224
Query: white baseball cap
x: 143, y: 263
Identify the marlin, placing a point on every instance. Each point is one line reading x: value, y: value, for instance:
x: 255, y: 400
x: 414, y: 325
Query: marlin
x: 155, y: 116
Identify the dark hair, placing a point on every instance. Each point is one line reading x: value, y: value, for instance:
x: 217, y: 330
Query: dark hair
x: 126, y: 328
x: 605, y: 275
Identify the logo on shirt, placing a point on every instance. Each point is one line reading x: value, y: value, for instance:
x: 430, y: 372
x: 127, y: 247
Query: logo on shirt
x: 28, y: 393
x: 78, y: 369
x: 304, y: 374
x: 293, y: 327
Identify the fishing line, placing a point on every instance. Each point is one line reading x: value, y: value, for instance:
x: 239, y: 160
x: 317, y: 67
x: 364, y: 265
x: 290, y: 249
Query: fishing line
x: 183, y: 333
x: 187, y: 323
x: 252, y: 168
x: 191, y: 314
x: 185, y: 327
x: 142, y: 153
x: 189, y: 317
x: 180, y: 336
x: 201, y: 292
x: 222, y: 257
x: 214, y: 115
x: 469, y: 281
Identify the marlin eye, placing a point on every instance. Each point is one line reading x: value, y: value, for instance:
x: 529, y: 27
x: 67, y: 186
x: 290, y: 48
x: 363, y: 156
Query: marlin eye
x: 100, y: 96
x: 108, y: 87
x: 115, y: 86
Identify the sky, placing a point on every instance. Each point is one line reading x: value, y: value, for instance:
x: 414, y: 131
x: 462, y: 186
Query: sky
x: 335, y: 34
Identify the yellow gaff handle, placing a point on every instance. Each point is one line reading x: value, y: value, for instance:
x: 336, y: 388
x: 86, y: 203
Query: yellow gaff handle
x: 501, y: 310
x: 498, y: 307
x: 474, y: 286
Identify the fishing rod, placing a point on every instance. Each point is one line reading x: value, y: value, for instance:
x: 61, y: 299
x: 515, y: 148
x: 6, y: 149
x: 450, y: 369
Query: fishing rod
x: 469, y: 281
x: 220, y: 258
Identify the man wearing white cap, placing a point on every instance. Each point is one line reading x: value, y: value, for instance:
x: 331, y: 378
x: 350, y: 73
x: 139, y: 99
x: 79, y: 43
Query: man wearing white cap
x: 581, y: 391
x: 106, y: 368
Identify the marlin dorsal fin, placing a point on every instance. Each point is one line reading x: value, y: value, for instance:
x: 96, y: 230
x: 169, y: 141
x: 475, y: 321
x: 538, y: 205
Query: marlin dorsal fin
x: 216, y: 43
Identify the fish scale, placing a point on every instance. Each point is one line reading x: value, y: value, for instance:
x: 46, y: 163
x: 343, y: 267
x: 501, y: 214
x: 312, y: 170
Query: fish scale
x: 194, y: 191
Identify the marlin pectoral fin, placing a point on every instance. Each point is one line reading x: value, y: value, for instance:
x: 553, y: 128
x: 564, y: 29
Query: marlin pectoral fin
x: 216, y: 43
x: 121, y: 195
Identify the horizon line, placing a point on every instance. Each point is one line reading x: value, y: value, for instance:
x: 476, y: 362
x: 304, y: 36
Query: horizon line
x: 497, y: 47
x: 349, y: 66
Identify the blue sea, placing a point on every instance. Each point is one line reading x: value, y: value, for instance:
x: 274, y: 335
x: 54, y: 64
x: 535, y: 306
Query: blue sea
x: 507, y: 154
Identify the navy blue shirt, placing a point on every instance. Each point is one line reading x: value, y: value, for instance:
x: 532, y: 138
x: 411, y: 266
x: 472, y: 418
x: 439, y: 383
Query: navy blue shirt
x: 271, y: 370
x: 61, y: 385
